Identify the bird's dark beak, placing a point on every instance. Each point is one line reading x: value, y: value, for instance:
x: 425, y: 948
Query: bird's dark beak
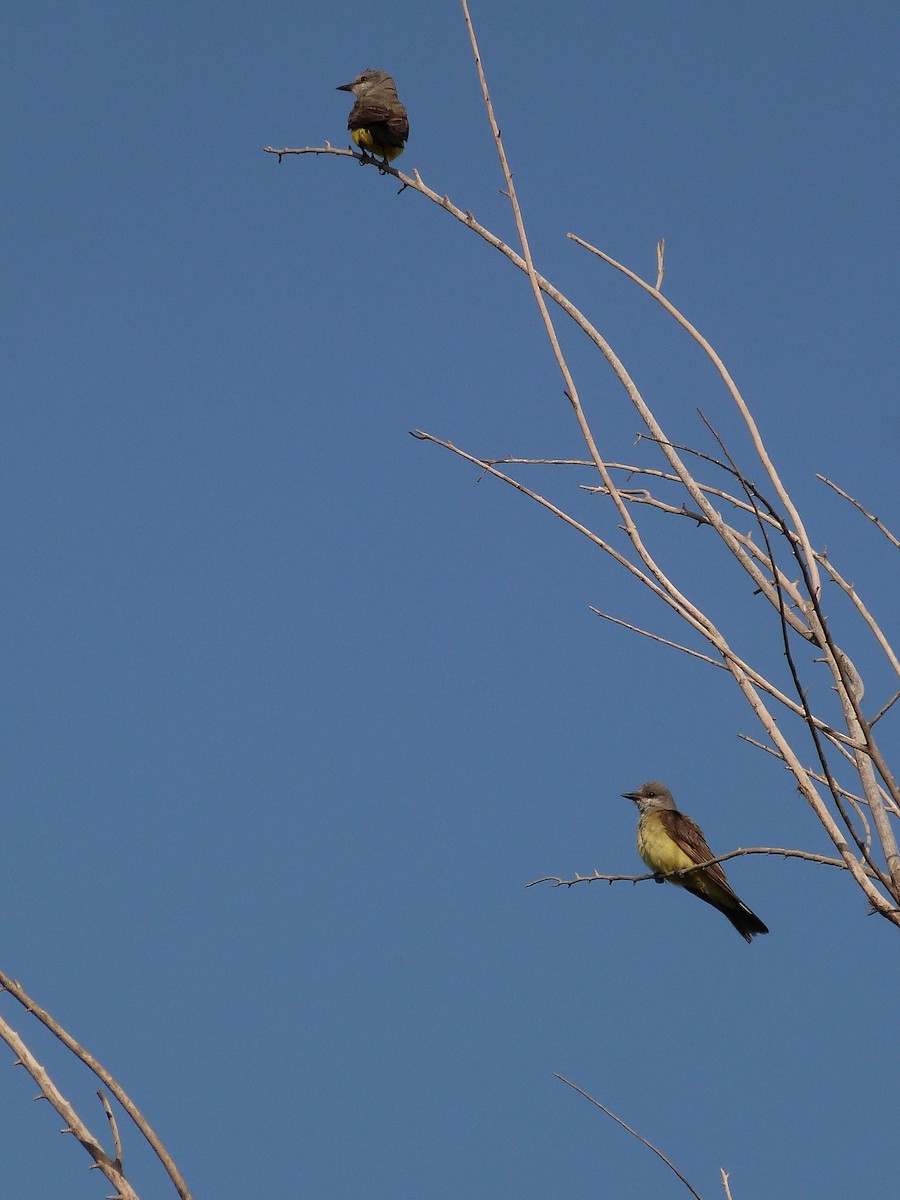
x: 630, y: 796
x: 344, y: 87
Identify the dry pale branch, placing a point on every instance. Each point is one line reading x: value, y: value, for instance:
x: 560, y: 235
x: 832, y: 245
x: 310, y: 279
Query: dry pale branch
x: 865, y: 512
x: 839, y: 740
x: 326, y: 149
x: 732, y: 663
x: 850, y: 591
x: 646, y: 497
x: 668, y: 449
x: 781, y: 852
x: 113, y: 1125
x: 730, y: 660
x: 15, y: 989
x: 655, y: 637
x: 884, y: 708
x: 851, y: 796
x: 736, y: 396
x: 633, y: 1132
x: 784, y: 618
x: 112, y: 1169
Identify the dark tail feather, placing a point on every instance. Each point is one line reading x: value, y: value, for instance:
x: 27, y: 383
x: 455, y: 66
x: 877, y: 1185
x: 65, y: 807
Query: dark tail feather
x: 747, y: 923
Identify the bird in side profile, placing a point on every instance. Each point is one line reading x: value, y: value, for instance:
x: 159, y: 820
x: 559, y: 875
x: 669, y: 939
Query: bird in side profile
x: 669, y: 841
x: 378, y: 122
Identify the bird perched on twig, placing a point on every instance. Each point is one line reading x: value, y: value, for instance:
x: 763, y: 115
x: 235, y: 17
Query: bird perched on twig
x: 378, y: 122
x: 669, y: 841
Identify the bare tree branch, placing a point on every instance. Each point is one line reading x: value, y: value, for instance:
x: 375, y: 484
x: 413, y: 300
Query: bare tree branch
x: 660, y: 267
x: 780, y: 851
x: 884, y: 708
x: 74, y: 1124
x: 655, y: 637
x: 113, y: 1126
x: 15, y: 989
x: 736, y: 396
x: 856, y: 504
x: 851, y: 796
x: 633, y: 1132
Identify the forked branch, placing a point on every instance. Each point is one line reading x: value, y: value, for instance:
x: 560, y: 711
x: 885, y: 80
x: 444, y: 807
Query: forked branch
x: 15, y: 989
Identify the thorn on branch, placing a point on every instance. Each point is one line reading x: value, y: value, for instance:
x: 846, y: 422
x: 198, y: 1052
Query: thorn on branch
x: 695, y: 516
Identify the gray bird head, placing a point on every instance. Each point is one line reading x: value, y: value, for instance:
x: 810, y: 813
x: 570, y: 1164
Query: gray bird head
x: 370, y: 81
x: 651, y: 797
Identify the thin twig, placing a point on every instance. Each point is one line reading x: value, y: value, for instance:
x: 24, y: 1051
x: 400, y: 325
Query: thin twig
x: 628, y: 1128
x: 670, y: 598
x: 655, y: 637
x: 644, y: 496
x: 736, y: 396
x: 884, y: 708
x: 570, y: 388
x: 840, y: 740
x: 850, y: 591
x: 113, y: 1125
x: 805, y: 855
x: 546, y: 462
x: 634, y: 496
x: 865, y: 512
x: 740, y: 670
x: 819, y: 778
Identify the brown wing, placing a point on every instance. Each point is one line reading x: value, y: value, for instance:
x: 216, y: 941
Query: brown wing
x: 388, y: 122
x: 689, y: 837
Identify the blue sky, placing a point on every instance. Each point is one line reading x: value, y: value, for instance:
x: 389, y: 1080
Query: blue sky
x: 295, y: 706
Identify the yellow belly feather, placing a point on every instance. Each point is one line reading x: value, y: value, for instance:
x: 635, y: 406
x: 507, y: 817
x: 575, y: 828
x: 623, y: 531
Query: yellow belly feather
x: 365, y: 141
x: 658, y: 850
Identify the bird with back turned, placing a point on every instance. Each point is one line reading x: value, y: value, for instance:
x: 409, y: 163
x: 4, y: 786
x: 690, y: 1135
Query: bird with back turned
x: 378, y: 122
